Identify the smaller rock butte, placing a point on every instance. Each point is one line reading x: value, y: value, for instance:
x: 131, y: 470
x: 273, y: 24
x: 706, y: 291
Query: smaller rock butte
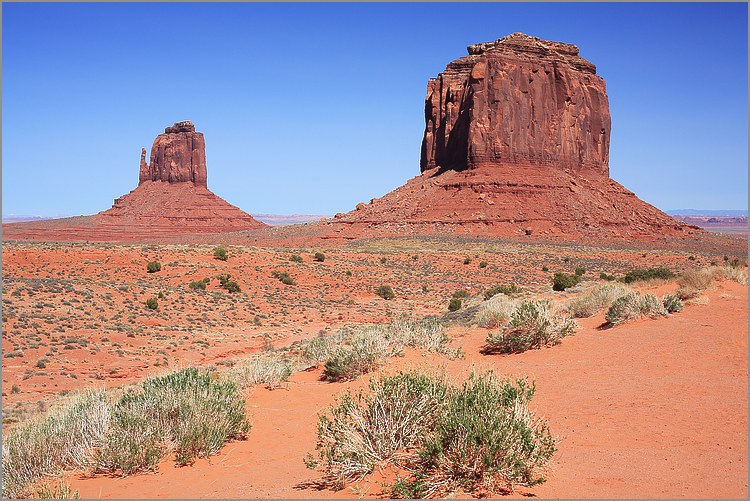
x: 171, y: 200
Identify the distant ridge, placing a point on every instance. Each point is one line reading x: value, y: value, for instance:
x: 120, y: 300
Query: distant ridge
x: 707, y: 212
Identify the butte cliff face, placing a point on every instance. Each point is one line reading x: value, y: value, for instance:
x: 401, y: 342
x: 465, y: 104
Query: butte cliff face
x: 171, y: 200
x: 178, y: 155
x: 516, y: 142
x: 519, y: 100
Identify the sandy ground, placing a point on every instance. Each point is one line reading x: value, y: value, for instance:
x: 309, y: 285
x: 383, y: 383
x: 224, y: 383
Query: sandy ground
x: 649, y: 409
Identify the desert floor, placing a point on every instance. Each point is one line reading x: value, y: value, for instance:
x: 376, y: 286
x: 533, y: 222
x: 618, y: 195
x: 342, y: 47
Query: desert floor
x: 651, y: 408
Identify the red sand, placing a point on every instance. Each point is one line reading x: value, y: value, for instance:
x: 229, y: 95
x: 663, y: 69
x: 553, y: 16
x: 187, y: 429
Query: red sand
x: 654, y: 408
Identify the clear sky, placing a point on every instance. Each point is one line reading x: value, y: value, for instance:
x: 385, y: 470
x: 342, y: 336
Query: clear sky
x: 312, y: 108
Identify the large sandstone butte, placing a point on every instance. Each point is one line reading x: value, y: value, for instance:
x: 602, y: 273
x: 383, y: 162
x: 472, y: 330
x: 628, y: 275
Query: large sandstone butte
x: 516, y: 143
x: 171, y: 200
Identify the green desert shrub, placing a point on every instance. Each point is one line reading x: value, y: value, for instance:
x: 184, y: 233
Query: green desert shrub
x: 496, y: 312
x: 319, y: 256
x: 62, y: 440
x: 385, y: 291
x: 533, y: 324
x: 600, y: 297
x: 198, y: 285
x: 153, y: 267
x: 232, y: 286
x: 485, y: 439
x: 267, y: 369
x: 562, y: 281
x: 455, y: 304
x: 579, y: 272
x: 482, y: 264
x: 467, y: 260
x: 501, y: 289
x: 296, y: 258
x: 220, y: 253
x: 641, y: 274
x: 284, y: 277
x: 480, y: 437
x: 672, y: 303
x: 606, y: 277
x: 186, y: 412
x: 461, y: 294
x: 152, y: 303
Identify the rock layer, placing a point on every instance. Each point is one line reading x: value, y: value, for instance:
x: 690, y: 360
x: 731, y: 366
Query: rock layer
x: 518, y: 101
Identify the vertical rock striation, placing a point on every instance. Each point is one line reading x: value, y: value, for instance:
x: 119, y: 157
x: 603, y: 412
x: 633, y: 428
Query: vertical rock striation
x: 518, y: 101
x: 177, y: 156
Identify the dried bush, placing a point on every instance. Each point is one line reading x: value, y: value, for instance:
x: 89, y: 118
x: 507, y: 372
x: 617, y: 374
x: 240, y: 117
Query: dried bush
x: 480, y: 436
x: 186, y: 412
x: 64, y: 439
x: 598, y: 298
x: 672, y: 303
x: 268, y: 369
x: 496, y: 312
x: 533, y: 324
x: 633, y: 305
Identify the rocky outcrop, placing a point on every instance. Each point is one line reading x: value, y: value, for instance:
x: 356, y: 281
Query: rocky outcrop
x: 177, y: 156
x: 518, y: 101
x: 516, y: 143
x: 171, y: 200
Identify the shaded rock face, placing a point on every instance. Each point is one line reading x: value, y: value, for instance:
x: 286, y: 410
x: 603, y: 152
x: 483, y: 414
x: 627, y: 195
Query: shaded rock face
x: 518, y: 101
x: 177, y: 156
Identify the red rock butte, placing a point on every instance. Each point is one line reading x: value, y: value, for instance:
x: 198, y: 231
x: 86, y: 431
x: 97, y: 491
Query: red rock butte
x: 172, y: 199
x: 516, y: 142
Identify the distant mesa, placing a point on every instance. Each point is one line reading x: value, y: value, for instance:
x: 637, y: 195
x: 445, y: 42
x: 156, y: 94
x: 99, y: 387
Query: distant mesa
x: 171, y: 200
x: 516, y: 143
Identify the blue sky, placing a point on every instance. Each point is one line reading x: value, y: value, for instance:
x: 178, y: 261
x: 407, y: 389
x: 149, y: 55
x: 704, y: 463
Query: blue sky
x: 312, y: 108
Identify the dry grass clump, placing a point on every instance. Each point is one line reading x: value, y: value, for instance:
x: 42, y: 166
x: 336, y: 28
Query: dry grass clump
x: 351, y: 352
x: 62, y: 440
x: 480, y: 437
x: 634, y: 305
x: 426, y: 334
x: 736, y: 274
x: 496, y: 311
x: 694, y: 282
x: 700, y: 279
x: 363, y: 352
x: 187, y: 412
x: 268, y: 369
x: 597, y: 299
x: 533, y: 324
